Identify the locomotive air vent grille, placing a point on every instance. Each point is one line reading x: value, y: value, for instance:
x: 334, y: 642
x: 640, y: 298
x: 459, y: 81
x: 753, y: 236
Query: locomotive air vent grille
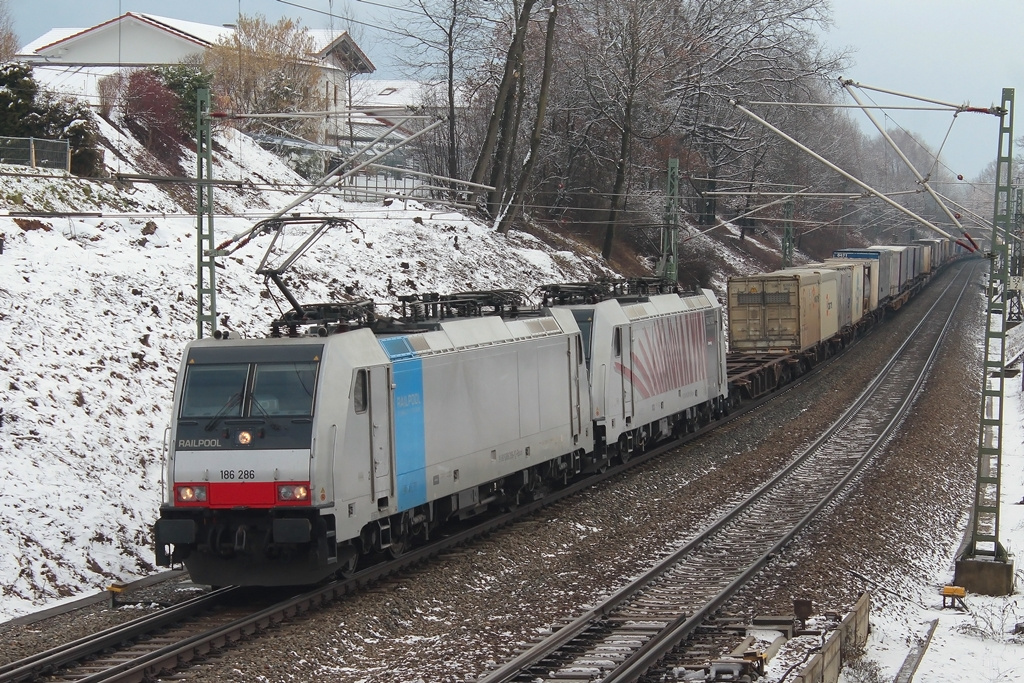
x: 535, y: 326
x: 776, y: 298
x: 637, y: 311
x: 419, y: 342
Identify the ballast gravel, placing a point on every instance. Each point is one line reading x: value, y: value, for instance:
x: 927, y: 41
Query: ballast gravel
x: 464, y: 612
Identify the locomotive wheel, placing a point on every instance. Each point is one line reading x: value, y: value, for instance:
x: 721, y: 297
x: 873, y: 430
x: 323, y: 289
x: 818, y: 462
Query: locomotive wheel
x: 348, y: 567
x: 398, y: 547
x: 623, y: 449
x: 400, y: 537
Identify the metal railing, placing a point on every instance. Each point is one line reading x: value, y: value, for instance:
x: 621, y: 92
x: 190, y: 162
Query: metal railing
x: 35, y: 152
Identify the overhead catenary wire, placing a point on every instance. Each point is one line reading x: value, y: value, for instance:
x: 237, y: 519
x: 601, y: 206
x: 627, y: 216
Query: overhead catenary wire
x: 838, y: 170
x: 922, y: 180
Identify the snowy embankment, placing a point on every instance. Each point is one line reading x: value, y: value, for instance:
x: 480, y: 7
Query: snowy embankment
x: 95, y: 310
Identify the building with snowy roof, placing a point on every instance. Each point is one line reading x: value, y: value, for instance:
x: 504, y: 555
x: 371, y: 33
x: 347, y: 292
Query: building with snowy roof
x: 73, y: 60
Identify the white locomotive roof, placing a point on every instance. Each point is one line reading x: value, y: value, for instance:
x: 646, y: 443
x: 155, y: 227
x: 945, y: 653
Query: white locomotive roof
x: 465, y: 334
x: 666, y: 304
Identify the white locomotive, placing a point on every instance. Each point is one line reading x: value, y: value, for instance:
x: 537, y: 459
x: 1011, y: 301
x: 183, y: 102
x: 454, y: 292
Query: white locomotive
x: 291, y: 457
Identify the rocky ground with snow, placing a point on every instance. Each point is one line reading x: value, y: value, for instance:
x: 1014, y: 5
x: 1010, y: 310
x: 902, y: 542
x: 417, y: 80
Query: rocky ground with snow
x: 96, y: 306
x: 469, y: 609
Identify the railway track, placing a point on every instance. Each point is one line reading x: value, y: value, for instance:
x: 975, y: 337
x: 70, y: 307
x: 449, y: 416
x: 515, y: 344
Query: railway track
x: 60, y: 661
x: 146, y: 647
x: 633, y: 630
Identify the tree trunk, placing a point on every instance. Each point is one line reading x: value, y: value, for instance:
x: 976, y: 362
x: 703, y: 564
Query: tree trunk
x: 453, y: 158
x: 515, y: 201
x: 620, y: 181
x: 505, y: 90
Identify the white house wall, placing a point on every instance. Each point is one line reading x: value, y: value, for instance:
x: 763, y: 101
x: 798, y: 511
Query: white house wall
x: 127, y: 42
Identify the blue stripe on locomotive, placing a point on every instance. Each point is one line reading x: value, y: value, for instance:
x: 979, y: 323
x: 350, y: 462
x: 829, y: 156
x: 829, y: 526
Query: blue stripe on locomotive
x: 410, y: 426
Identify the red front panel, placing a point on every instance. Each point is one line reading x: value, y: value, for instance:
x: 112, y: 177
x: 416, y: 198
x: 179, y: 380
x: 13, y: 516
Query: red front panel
x: 252, y: 494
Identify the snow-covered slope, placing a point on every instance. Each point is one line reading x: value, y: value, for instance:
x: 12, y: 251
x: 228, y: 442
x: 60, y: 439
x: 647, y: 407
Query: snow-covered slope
x: 95, y: 310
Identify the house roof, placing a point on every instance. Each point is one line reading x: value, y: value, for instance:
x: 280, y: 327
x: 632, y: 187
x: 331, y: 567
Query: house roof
x: 332, y: 47
x: 342, y: 49
x: 202, y: 35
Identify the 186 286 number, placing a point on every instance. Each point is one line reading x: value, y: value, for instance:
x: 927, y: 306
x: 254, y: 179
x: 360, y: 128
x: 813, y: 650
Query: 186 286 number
x: 242, y: 475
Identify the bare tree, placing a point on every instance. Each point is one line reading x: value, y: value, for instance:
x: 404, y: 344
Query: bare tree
x: 8, y: 38
x: 498, y: 142
x: 512, y: 206
x: 443, y: 41
x: 267, y: 68
x: 625, y: 61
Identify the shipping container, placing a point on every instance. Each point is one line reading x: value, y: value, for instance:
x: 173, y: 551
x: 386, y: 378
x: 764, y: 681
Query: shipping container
x: 888, y: 262
x: 930, y: 255
x: 778, y: 311
x: 836, y: 305
x: 851, y: 290
x: 911, y: 262
x: 865, y: 283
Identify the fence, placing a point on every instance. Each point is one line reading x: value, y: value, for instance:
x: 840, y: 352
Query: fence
x: 370, y: 188
x: 35, y: 152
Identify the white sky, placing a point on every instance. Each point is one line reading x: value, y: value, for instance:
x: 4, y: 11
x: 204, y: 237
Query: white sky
x: 952, y: 50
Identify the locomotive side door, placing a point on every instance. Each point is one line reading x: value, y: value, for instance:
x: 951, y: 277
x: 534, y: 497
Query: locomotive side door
x: 575, y: 359
x: 380, y: 430
x: 624, y: 355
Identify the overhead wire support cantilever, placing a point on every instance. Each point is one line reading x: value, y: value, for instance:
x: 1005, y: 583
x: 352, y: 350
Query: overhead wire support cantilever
x: 849, y: 86
x: 337, y: 175
x: 996, y: 111
x: 857, y: 181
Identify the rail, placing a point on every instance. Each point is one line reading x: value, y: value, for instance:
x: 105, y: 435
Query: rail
x: 626, y: 635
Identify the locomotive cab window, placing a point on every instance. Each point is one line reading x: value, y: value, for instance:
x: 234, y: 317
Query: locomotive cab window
x: 617, y: 342
x: 214, y: 390
x: 281, y: 389
x: 359, y: 392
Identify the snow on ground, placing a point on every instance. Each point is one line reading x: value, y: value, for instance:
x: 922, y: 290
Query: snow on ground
x: 978, y: 645
x: 94, y: 313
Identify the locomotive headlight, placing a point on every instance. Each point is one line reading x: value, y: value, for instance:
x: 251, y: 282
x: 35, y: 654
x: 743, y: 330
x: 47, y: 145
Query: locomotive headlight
x: 244, y: 438
x: 191, y: 494
x: 292, y: 492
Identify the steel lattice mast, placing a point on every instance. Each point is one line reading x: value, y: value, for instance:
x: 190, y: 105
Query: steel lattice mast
x: 984, y: 565
x: 206, y: 272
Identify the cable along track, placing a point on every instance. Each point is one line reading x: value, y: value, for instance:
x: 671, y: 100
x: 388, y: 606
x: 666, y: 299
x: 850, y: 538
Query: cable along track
x: 632, y: 630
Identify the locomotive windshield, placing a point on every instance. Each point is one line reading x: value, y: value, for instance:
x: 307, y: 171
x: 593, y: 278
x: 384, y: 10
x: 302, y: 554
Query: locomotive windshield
x: 228, y: 390
x: 214, y: 390
x: 283, y: 389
